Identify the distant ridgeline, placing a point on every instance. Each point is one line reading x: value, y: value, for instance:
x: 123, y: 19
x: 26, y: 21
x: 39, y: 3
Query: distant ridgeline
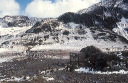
x: 19, y: 21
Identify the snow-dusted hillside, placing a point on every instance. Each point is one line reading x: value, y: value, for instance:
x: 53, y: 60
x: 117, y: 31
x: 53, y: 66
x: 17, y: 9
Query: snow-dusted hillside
x: 13, y: 30
x: 54, y: 34
x: 122, y: 28
x: 9, y: 35
x: 106, y: 14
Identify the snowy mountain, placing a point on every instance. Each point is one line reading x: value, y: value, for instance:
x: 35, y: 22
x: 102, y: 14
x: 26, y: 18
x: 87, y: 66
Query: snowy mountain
x: 18, y: 21
x: 106, y: 14
x: 97, y: 25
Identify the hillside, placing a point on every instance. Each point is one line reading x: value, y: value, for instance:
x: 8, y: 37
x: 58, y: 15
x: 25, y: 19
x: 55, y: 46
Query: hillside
x: 105, y: 14
x: 96, y: 25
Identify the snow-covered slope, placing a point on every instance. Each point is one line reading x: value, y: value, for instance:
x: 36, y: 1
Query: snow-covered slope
x: 13, y: 30
x: 9, y: 37
x: 122, y: 28
x: 54, y: 34
x: 105, y: 14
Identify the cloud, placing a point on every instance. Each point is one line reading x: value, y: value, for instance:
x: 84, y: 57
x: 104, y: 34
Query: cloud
x: 47, y: 8
x: 9, y: 7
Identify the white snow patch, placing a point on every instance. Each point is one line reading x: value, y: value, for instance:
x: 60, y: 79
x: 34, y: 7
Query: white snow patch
x: 78, y: 45
x: 49, y: 78
x: 121, y: 28
x: 73, y: 25
x: 84, y: 70
x: 87, y: 70
x: 4, y: 60
x: 7, y: 59
x: 16, y: 48
x: 16, y: 79
x: 13, y: 30
x: 3, y: 50
x: 12, y: 79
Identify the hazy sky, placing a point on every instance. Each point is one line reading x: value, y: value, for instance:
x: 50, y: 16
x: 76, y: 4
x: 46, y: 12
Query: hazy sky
x: 42, y: 8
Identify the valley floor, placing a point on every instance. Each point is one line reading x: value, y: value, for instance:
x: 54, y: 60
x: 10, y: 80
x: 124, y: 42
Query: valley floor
x: 27, y: 69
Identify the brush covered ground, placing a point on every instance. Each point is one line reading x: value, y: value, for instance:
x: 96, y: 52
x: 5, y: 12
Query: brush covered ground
x: 50, y: 69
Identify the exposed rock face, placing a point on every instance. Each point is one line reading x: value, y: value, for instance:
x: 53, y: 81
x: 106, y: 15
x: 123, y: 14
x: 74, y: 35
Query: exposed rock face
x: 45, y: 26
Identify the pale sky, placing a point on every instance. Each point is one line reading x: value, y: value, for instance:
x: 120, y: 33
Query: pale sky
x: 42, y: 8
